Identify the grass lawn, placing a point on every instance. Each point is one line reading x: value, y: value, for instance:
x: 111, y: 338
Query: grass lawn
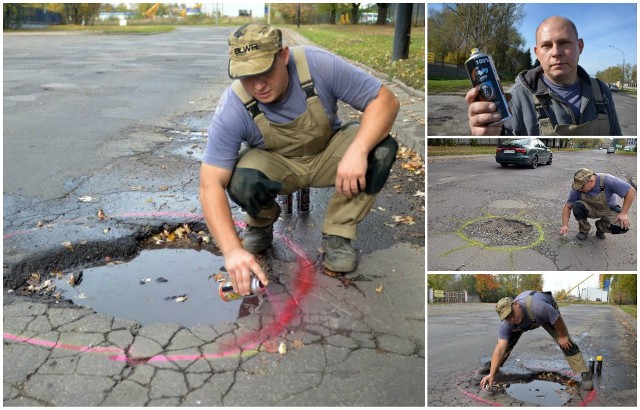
x: 437, y: 85
x: 372, y: 45
x: 630, y: 309
x: 106, y: 29
x: 438, y: 151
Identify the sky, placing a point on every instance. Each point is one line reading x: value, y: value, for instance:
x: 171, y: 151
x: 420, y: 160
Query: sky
x: 599, y: 25
x: 566, y: 280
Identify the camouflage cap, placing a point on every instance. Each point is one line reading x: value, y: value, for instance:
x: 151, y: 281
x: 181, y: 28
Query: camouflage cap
x: 503, y: 308
x: 252, y: 50
x: 580, y: 178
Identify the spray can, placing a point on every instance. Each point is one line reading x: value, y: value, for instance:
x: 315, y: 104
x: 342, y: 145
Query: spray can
x: 592, y: 364
x: 304, y: 198
x: 228, y: 294
x: 483, y: 72
x: 286, y: 203
x: 599, y: 365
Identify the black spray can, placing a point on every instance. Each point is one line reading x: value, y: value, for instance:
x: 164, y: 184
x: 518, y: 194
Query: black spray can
x: 599, y: 365
x: 304, y: 198
x: 286, y: 203
x: 483, y: 72
x: 228, y: 294
x: 592, y: 365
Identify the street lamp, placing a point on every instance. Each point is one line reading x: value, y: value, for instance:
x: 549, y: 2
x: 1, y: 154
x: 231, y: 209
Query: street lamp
x: 623, y: 57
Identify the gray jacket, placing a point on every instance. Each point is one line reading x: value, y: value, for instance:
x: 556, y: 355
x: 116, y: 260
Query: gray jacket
x: 524, y: 119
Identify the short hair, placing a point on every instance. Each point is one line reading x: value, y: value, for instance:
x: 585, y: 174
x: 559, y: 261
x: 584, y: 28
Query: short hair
x: 575, y: 30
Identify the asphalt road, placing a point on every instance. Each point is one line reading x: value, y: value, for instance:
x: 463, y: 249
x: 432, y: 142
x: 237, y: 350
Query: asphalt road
x: 464, y: 190
x: 462, y: 336
x: 447, y: 114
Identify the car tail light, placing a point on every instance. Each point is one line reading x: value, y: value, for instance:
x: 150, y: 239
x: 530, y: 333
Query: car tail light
x: 521, y: 150
x: 498, y: 150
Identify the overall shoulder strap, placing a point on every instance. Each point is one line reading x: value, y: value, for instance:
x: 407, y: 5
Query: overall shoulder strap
x: 528, y: 305
x: 306, y: 82
x: 249, y: 102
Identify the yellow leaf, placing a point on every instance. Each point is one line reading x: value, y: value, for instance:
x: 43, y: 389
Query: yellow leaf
x: 379, y: 289
x: 101, y: 215
x: 282, y: 349
x: 67, y: 245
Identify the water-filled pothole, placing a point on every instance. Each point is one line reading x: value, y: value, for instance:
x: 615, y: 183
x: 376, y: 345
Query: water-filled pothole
x: 502, y: 232
x: 540, y: 393
x: 159, y: 286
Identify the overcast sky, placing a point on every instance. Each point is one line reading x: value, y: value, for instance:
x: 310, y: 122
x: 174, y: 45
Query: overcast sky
x: 599, y: 25
x: 566, y: 280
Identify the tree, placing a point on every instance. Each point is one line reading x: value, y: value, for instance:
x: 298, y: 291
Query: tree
x: 383, y: 12
x: 12, y: 15
x: 624, y: 289
x: 354, y: 12
x: 77, y: 13
x: 440, y: 282
x: 486, y: 287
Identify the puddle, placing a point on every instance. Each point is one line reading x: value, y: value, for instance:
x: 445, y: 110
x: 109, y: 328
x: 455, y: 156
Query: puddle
x: 540, y: 393
x: 146, y: 288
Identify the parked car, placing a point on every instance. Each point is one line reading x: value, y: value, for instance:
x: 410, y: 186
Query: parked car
x: 613, y: 87
x: 611, y: 149
x: 523, y: 151
x: 627, y: 148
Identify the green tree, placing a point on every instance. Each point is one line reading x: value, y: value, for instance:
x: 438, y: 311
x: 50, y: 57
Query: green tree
x: 440, y: 281
x: 12, y: 15
x: 624, y: 289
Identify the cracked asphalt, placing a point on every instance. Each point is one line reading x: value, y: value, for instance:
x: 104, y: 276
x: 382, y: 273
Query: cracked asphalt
x: 120, y: 119
x: 471, y: 190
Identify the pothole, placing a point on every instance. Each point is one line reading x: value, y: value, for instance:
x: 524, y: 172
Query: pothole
x: 502, y: 232
x: 158, y: 286
x: 547, y: 389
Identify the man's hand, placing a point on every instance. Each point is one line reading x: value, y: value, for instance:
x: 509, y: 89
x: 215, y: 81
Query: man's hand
x: 564, y: 230
x: 624, y: 220
x: 486, y: 379
x: 481, y: 114
x: 564, y: 342
x: 352, y: 169
x: 240, y: 264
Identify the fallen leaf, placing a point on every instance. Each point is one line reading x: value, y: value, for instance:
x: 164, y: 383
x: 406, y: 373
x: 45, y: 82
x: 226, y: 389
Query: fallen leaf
x: 67, y: 245
x: 282, y: 348
x: 163, y: 188
x: 420, y: 193
x: 34, y: 279
x: 379, y: 289
x: 181, y: 299
x: 101, y: 215
x: 408, y: 220
x: 85, y: 199
x: 40, y: 224
x: 297, y: 344
x: 218, y: 277
x: 106, y: 230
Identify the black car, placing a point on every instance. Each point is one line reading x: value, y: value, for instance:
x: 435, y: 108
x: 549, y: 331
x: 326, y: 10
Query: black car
x: 523, y: 151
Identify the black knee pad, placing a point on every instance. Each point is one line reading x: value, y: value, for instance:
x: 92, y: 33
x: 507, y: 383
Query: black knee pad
x: 580, y: 211
x: 380, y: 160
x: 252, y: 190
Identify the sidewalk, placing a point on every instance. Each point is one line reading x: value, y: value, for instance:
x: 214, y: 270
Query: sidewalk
x: 352, y: 342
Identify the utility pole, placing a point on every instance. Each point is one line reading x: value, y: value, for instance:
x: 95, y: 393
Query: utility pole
x: 402, y: 33
x: 623, y: 58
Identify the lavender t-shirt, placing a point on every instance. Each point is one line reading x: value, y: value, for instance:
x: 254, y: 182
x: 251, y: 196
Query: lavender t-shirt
x: 613, y: 187
x: 571, y: 94
x: 334, y: 79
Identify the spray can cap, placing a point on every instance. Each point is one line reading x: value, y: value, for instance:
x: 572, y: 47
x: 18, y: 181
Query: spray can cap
x: 474, y: 50
x: 599, y: 358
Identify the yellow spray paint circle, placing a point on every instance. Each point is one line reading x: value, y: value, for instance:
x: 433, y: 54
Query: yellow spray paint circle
x: 540, y: 237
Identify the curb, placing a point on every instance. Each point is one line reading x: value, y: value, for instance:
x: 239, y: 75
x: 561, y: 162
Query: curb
x: 631, y: 321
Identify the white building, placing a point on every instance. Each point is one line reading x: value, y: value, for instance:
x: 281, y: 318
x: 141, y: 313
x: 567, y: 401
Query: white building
x: 594, y: 294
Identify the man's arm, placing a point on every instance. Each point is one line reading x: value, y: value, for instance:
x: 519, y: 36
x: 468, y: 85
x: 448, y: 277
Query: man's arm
x: 566, y: 214
x: 496, y: 360
x: 623, y: 216
x: 213, y: 198
x: 563, y: 334
x: 375, y: 124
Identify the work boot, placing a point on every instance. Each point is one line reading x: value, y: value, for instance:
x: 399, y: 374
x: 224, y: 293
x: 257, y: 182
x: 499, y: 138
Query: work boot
x: 339, y: 254
x: 600, y: 234
x: 257, y: 239
x: 582, y: 235
x: 587, y: 383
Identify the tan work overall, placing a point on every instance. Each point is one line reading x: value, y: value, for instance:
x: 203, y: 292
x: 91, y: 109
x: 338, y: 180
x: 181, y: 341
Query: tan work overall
x: 599, y: 126
x: 573, y: 355
x: 598, y: 207
x: 305, y: 153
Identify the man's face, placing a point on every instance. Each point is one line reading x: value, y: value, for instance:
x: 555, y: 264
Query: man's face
x: 558, y: 49
x: 270, y: 87
x: 591, y: 183
x: 516, y: 315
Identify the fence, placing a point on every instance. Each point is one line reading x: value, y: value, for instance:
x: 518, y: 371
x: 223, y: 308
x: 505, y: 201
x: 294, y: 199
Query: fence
x: 440, y: 296
x: 447, y: 70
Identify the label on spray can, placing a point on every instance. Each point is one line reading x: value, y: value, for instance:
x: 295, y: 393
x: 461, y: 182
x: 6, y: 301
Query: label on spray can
x: 599, y: 364
x: 482, y: 73
x: 228, y: 294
